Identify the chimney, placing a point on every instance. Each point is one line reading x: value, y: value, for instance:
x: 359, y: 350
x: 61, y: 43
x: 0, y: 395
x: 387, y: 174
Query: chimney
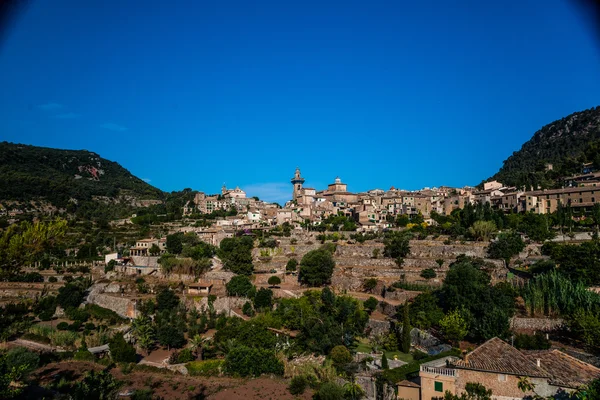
x: 539, y: 362
x: 466, y: 358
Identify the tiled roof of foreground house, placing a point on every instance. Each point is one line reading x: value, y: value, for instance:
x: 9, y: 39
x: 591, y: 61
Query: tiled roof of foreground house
x: 496, y: 355
x: 565, y: 371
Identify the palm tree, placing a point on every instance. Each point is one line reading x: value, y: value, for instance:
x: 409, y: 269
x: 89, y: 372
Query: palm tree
x: 197, y: 343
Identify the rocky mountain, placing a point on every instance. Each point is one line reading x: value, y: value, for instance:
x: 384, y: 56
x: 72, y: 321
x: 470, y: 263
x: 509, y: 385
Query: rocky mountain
x: 67, y: 178
x: 566, y: 144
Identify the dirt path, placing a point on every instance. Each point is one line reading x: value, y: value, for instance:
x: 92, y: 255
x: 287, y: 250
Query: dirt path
x: 35, y: 346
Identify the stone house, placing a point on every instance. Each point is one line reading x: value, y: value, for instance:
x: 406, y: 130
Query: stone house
x: 499, y: 367
x: 143, y: 246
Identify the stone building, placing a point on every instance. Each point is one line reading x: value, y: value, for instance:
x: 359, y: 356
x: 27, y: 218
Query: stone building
x: 499, y: 366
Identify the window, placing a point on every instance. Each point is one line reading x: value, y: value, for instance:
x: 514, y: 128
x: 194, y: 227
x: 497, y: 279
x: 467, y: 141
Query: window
x: 501, y: 378
x: 438, y: 386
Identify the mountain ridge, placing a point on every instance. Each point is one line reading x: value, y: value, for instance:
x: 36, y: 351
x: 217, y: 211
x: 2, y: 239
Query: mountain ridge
x: 60, y: 176
x: 566, y: 143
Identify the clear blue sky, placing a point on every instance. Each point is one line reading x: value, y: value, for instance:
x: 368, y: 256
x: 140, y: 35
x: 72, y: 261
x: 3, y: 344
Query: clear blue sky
x: 194, y: 94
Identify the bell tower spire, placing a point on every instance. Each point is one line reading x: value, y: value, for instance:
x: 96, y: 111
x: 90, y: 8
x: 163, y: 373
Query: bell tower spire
x: 297, y: 181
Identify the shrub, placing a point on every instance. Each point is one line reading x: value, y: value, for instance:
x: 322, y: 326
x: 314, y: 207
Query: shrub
x: 143, y: 394
x: 70, y: 295
x: 340, y: 356
x: 369, y: 284
x: 63, y: 338
x: 62, y: 326
x: 419, y: 355
x: 247, y: 309
x: 104, y: 314
x: 20, y: 357
x: 246, y: 361
x: 90, y: 326
x: 330, y: 391
x: 185, y: 356
x: 52, y: 279
x: 298, y: 385
x: 120, y: 350
x: 77, y: 314
x: 205, y: 368
x: 371, y: 304
x: 83, y: 355
x: 428, y: 273
x: 532, y: 342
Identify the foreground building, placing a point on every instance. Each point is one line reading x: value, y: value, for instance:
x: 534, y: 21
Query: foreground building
x: 499, y: 367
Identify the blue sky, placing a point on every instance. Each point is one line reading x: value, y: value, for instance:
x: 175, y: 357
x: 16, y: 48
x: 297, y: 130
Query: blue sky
x: 382, y: 93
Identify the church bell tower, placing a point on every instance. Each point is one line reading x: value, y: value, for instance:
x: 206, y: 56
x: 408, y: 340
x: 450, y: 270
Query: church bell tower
x: 297, y: 181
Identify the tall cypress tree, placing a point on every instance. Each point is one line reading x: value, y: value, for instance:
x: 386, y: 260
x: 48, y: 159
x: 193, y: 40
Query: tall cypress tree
x: 384, y: 362
x: 406, y: 330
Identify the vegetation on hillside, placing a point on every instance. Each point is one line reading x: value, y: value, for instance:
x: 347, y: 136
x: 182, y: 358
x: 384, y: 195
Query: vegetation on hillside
x: 566, y: 144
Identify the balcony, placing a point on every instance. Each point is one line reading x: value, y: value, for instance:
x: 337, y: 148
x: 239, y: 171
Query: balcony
x: 439, y: 371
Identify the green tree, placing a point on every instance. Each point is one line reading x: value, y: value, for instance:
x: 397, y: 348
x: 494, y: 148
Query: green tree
x: 291, y: 265
x: 371, y: 304
x: 70, y: 296
x: 340, y: 356
x: 247, y: 309
x: 370, y: 284
x: 154, y: 250
x: 96, y: 386
x: 406, y: 328
x: 506, y: 246
x: 22, y: 360
x: 596, y: 216
x: 482, y: 230
x: 144, y: 332
x: 454, y: 327
x: 274, y: 280
x: 27, y: 242
x: 174, y: 243
x: 263, y: 300
x: 166, y: 299
x: 396, y: 244
x: 486, y: 308
x: 120, y: 350
x: 384, y: 362
x: 170, y: 336
x: 316, y: 268
x: 239, y: 285
x: 586, y: 326
x: 236, y: 254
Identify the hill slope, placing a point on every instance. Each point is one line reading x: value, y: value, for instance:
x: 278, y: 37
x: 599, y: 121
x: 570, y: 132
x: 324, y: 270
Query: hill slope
x: 31, y: 173
x: 566, y: 144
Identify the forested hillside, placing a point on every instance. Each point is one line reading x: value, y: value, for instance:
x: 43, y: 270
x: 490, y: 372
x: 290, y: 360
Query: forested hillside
x: 566, y: 144
x: 57, y: 176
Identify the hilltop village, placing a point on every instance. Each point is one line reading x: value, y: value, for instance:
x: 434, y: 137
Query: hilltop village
x: 454, y: 293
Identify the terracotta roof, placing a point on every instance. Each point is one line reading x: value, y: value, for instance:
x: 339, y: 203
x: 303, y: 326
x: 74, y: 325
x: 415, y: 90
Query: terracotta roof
x: 564, y: 370
x: 496, y: 355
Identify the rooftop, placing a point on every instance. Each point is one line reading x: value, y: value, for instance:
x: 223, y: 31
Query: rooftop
x: 496, y: 355
x: 565, y: 371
